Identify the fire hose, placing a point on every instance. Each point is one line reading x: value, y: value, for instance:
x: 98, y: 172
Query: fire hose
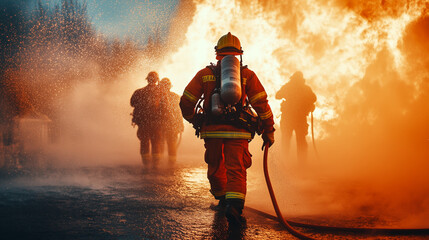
x: 274, y: 201
x: 179, y: 140
x: 312, y: 137
x: 287, y: 224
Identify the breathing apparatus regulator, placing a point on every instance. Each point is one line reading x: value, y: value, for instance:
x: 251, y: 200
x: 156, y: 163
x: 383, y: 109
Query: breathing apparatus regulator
x: 226, y: 104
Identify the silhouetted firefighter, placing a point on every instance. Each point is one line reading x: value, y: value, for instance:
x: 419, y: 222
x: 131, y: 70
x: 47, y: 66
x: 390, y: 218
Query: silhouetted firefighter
x: 298, y: 102
x: 147, y: 116
x: 227, y: 123
x: 172, y: 122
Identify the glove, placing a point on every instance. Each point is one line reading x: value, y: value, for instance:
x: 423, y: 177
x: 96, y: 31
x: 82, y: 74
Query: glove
x: 197, y: 122
x: 268, y: 137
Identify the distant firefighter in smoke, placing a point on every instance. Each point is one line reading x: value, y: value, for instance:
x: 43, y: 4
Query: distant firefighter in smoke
x: 298, y: 102
x: 227, y: 123
x: 147, y: 116
x: 172, y: 122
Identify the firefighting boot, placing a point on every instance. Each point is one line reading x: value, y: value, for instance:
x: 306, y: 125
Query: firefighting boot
x: 172, y: 159
x: 302, y: 156
x: 234, y: 209
x: 156, y: 157
x: 221, y: 204
x: 145, y: 159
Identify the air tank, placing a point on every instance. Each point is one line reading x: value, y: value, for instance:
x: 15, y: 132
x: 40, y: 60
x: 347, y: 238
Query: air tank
x: 216, y: 104
x: 230, y: 88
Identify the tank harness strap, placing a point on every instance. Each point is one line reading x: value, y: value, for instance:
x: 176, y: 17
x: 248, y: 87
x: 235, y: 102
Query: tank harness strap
x: 216, y: 72
x: 244, y: 98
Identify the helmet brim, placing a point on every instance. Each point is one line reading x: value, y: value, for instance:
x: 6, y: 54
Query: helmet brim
x: 229, y: 53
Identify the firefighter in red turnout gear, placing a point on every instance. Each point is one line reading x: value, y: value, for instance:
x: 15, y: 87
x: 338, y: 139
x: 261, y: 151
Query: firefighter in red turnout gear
x: 226, y: 139
x: 172, y: 120
x: 298, y: 102
x: 147, y: 116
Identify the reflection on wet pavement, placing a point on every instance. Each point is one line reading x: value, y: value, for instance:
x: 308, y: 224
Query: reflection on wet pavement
x: 126, y: 202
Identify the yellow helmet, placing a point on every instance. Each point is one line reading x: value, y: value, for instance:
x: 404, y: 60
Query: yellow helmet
x: 228, y: 44
x: 297, y: 75
x: 152, y: 77
x: 165, y: 83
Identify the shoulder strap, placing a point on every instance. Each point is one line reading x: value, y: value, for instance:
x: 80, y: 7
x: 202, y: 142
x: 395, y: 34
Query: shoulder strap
x: 216, y: 72
x: 245, y: 100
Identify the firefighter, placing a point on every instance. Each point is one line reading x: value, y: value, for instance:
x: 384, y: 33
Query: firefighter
x: 298, y: 102
x: 225, y: 140
x: 147, y: 116
x: 172, y: 121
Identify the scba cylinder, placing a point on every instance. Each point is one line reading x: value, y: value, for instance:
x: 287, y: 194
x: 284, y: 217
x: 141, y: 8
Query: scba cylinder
x: 230, y: 88
x: 217, y: 106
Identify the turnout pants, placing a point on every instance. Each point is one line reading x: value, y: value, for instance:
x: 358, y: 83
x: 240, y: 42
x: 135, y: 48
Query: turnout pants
x: 150, y: 139
x: 300, y: 126
x: 228, y: 160
x: 172, y: 138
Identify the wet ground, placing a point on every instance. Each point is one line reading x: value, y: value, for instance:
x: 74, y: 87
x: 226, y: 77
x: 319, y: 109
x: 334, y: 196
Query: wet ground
x: 129, y: 202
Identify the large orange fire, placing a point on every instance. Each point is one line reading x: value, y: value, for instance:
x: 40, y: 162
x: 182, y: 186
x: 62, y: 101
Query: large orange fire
x: 366, y: 62
x: 333, y: 44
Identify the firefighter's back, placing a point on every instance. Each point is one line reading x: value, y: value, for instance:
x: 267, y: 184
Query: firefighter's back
x: 146, y: 103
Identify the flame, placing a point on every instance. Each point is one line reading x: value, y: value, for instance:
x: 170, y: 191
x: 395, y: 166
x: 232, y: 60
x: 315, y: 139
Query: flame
x: 357, y: 56
x: 332, y: 46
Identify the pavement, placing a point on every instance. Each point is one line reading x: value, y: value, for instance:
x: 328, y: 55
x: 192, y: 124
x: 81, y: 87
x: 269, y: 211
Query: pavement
x: 128, y: 202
